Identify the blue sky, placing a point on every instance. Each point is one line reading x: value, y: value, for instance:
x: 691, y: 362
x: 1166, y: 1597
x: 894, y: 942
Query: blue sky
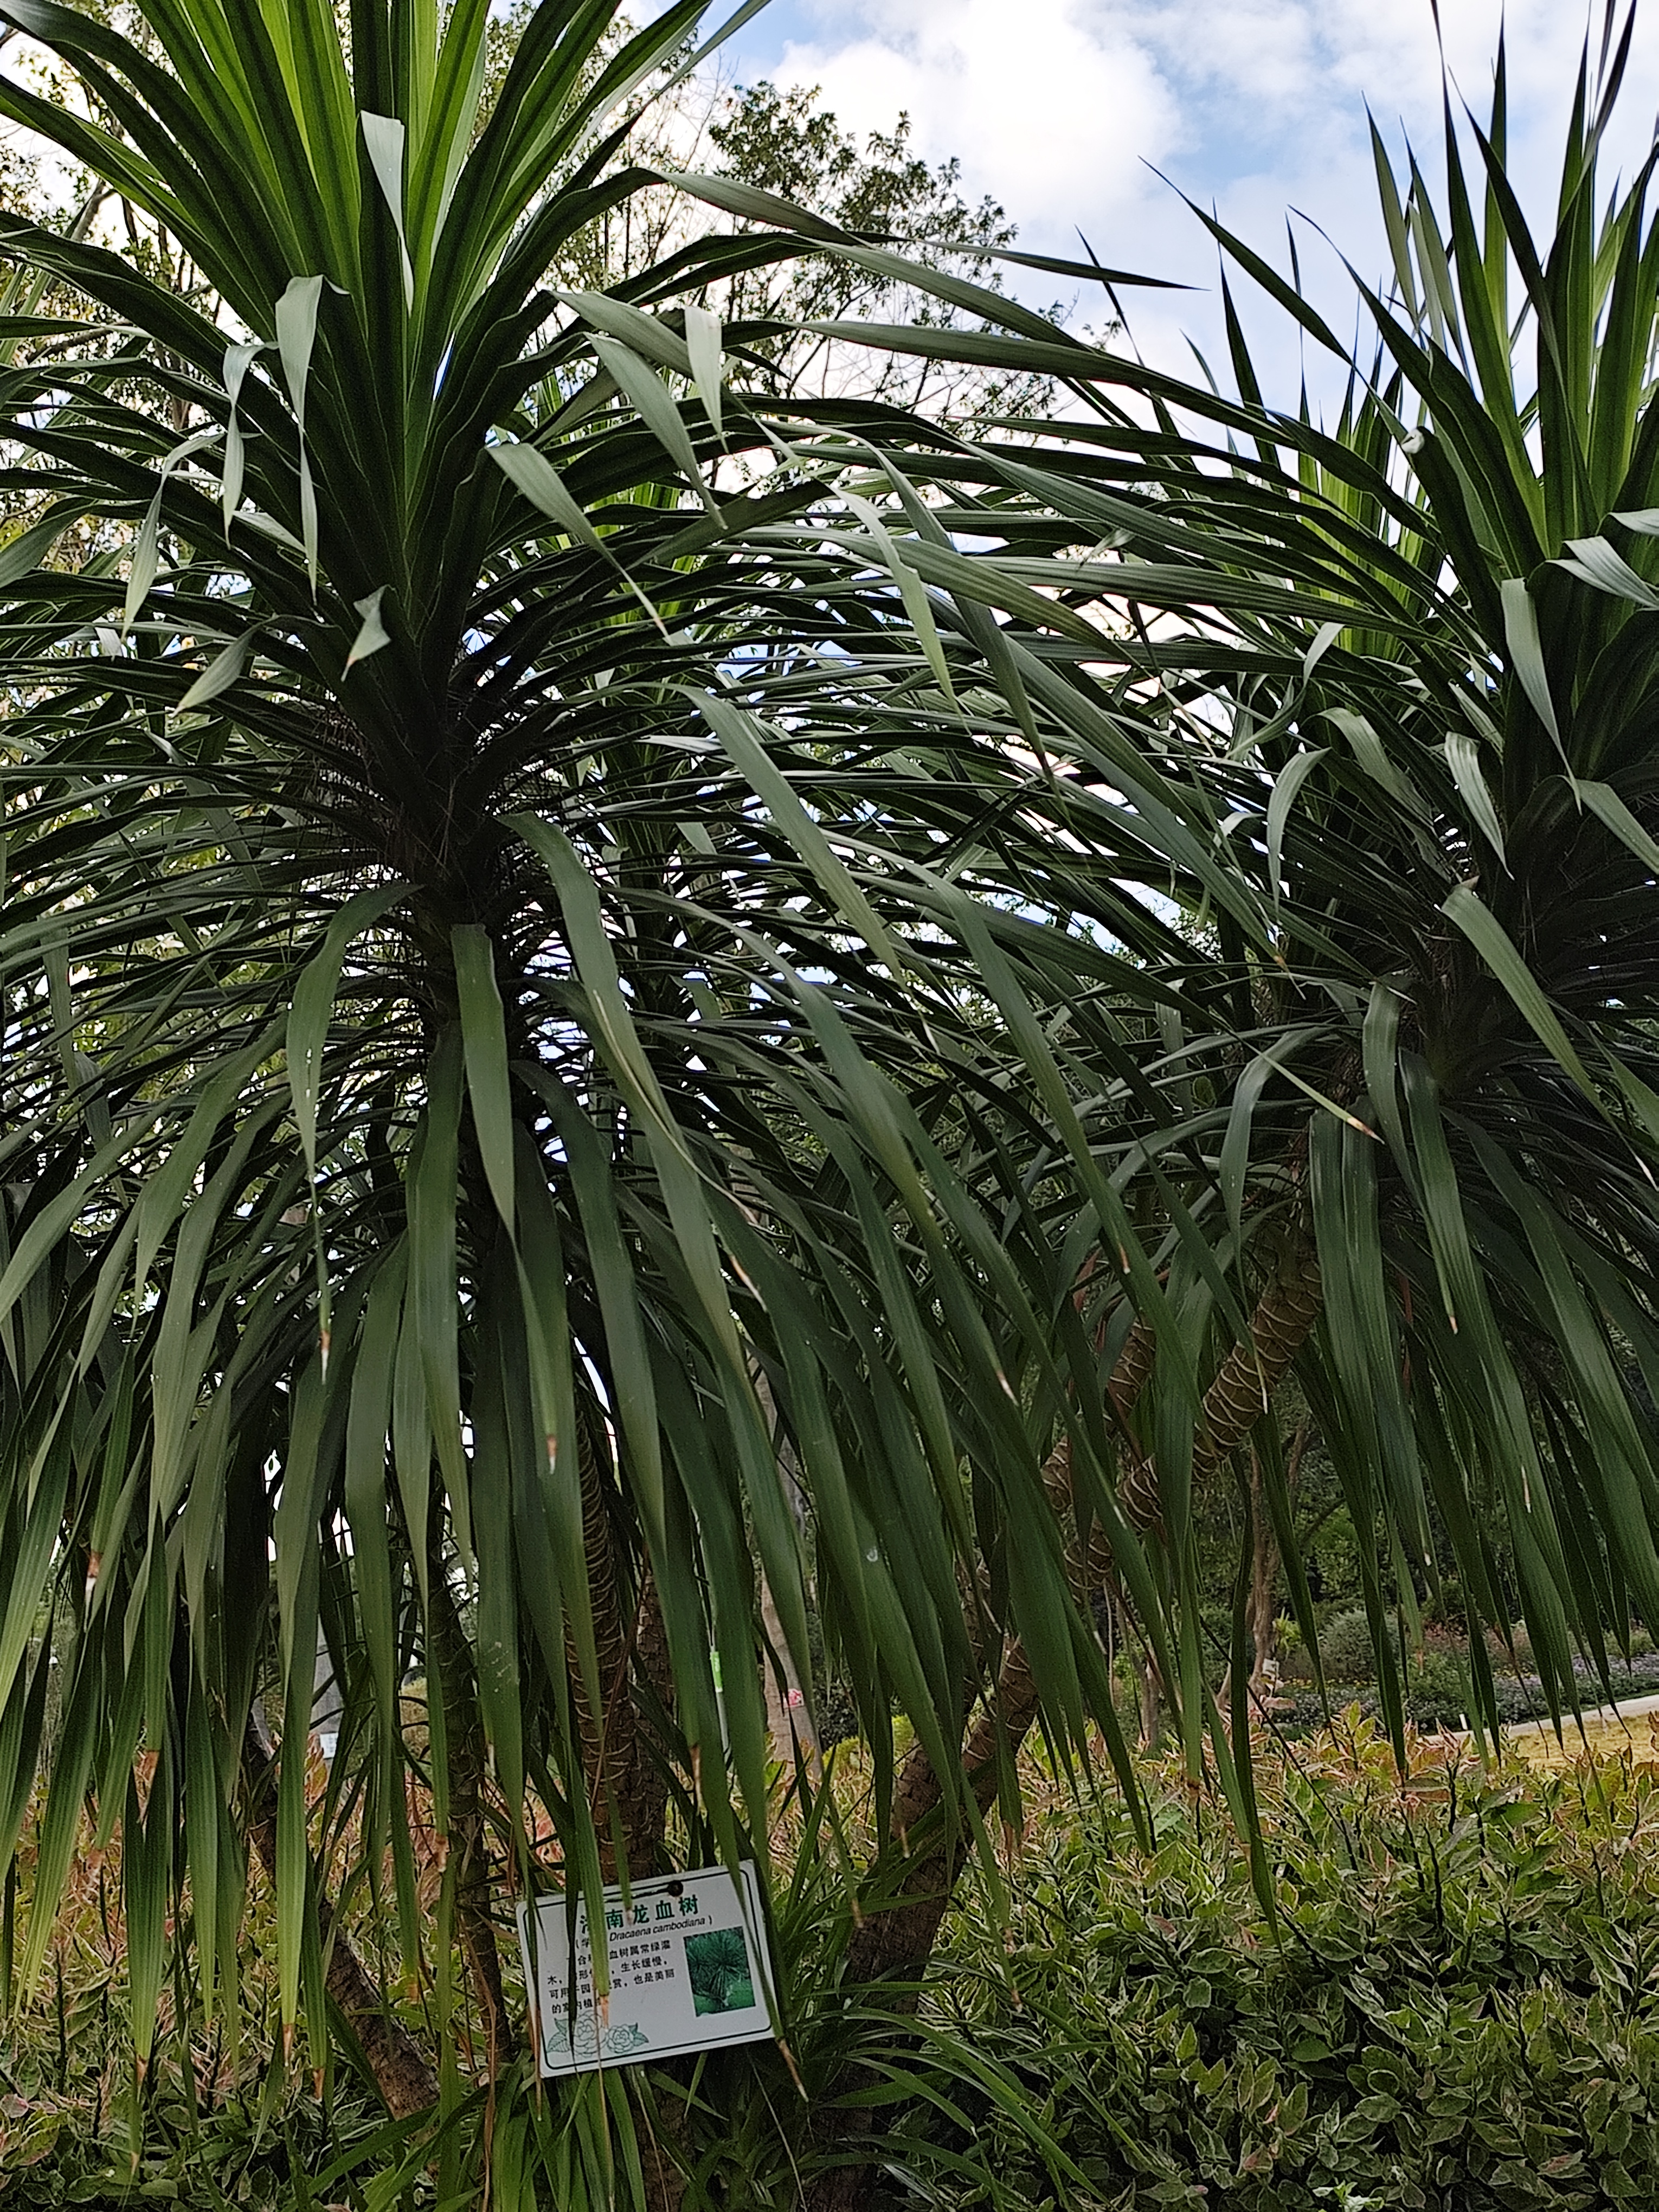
x: 1062, y: 109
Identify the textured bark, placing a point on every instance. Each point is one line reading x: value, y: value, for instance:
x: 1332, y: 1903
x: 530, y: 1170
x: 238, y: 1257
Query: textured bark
x: 468, y: 1833
x: 625, y: 1768
x: 1139, y: 1495
x: 627, y: 1786
x: 401, y: 2070
x: 1248, y: 1377
x: 788, y: 1723
x: 664, y: 2180
x: 648, y: 1794
x: 1134, y: 1366
x: 903, y: 1935
x: 1137, y: 1486
x: 917, y: 1791
x: 1152, y: 1703
x: 1242, y: 1387
x: 1244, y: 1383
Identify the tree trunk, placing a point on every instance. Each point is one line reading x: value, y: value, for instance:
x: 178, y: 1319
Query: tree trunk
x: 665, y: 2181
x: 624, y: 1760
x: 1243, y: 1385
x: 648, y: 1794
x: 903, y: 1935
x: 1262, y: 1612
x: 788, y: 1723
x: 400, y: 2068
x: 918, y: 1790
x: 1152, y: 1704
x: 1245, y: 1382
x: 468, y: 1835
x: 627, y: 1786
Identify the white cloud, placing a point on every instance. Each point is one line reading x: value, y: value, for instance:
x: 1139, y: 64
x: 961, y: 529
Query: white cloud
x: 1056, y: 107
x: 1050, y: 106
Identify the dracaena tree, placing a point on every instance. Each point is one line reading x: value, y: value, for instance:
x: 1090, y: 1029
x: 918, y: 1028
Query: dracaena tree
x: 1394, y: 1125
x: 579, y: 977
x: 491, y: 1177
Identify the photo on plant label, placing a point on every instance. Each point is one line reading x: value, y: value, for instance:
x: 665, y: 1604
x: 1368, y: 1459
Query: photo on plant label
x: 718, y: 1965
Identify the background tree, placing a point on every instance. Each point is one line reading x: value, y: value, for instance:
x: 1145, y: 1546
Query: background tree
x: 783, y: 142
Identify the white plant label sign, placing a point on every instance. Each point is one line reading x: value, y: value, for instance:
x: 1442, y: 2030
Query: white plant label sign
x: 689, y: 1972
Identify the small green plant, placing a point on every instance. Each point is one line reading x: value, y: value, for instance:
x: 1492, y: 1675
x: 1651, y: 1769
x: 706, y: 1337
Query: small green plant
x: 1456, y: 2010
x: 721, y: 1978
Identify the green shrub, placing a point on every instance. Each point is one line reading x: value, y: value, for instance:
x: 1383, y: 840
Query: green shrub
x: 1438, y: 1684
x: 1436, y: 1680
x: 1344, y: 1647
x: 1458, y: 2012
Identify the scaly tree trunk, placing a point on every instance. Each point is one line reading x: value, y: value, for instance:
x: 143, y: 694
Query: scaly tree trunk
x: 901, y: 1936
x: 627, y: 1786
x: 1243, y: 1388
x: 904, y: 1936
x: 468, y: 1835
x: 918, y: 1792
x: 401, y: 2070
x: 1235, y: 1401
x: 624, y: 1766
x: 1150, y: 1687
x: 788, y: 1723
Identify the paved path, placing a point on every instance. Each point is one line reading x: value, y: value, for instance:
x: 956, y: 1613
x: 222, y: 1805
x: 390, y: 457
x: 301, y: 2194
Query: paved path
x: 1602, y: 1715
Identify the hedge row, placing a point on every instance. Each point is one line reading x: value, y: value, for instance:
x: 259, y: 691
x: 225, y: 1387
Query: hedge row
x: 1457, y: 2009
